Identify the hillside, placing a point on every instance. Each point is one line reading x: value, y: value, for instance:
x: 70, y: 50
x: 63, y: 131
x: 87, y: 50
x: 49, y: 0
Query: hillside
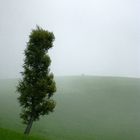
x: 88, y: 108
x: 6, y: 134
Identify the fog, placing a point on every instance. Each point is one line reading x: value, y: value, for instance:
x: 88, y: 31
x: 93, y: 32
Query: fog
x: 93, y: 37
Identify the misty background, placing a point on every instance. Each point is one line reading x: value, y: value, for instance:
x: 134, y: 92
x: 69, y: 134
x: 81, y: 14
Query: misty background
x: 93, y: 37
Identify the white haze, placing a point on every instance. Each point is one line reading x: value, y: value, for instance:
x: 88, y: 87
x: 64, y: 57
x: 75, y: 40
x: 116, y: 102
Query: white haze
x: 93, y: 37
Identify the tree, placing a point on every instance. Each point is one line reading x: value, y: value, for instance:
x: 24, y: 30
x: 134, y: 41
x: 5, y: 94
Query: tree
x: 37, y: 85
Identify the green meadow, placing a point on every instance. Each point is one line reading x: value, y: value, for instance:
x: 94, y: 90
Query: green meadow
x: 88, y: 108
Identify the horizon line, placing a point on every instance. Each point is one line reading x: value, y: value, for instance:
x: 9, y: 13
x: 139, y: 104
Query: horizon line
x: 81, y: 75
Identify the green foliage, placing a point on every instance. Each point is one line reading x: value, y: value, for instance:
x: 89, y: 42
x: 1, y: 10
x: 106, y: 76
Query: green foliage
x: 37, y: 85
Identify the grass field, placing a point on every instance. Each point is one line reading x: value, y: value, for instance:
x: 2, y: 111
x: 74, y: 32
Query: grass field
x: 6, y: 134
x: 88, y: 108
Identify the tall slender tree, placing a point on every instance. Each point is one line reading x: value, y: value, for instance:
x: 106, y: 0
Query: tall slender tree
x: 37, y: 85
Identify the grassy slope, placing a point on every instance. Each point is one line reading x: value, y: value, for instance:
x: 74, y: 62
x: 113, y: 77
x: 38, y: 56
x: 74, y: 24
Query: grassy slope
x: 88, y: 108
x: 6, y: 134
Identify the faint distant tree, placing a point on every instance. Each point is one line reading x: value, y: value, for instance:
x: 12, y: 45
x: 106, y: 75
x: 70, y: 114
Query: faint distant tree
x: 37, y: 84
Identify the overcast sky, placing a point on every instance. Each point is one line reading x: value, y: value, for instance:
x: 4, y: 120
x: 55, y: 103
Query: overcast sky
x: 93, y: 37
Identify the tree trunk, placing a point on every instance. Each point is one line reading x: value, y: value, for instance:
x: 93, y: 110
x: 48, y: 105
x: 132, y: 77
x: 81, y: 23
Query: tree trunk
x: 29, y: 125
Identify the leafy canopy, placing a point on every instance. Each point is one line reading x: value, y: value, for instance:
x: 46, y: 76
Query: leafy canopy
x: 37, y: 85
